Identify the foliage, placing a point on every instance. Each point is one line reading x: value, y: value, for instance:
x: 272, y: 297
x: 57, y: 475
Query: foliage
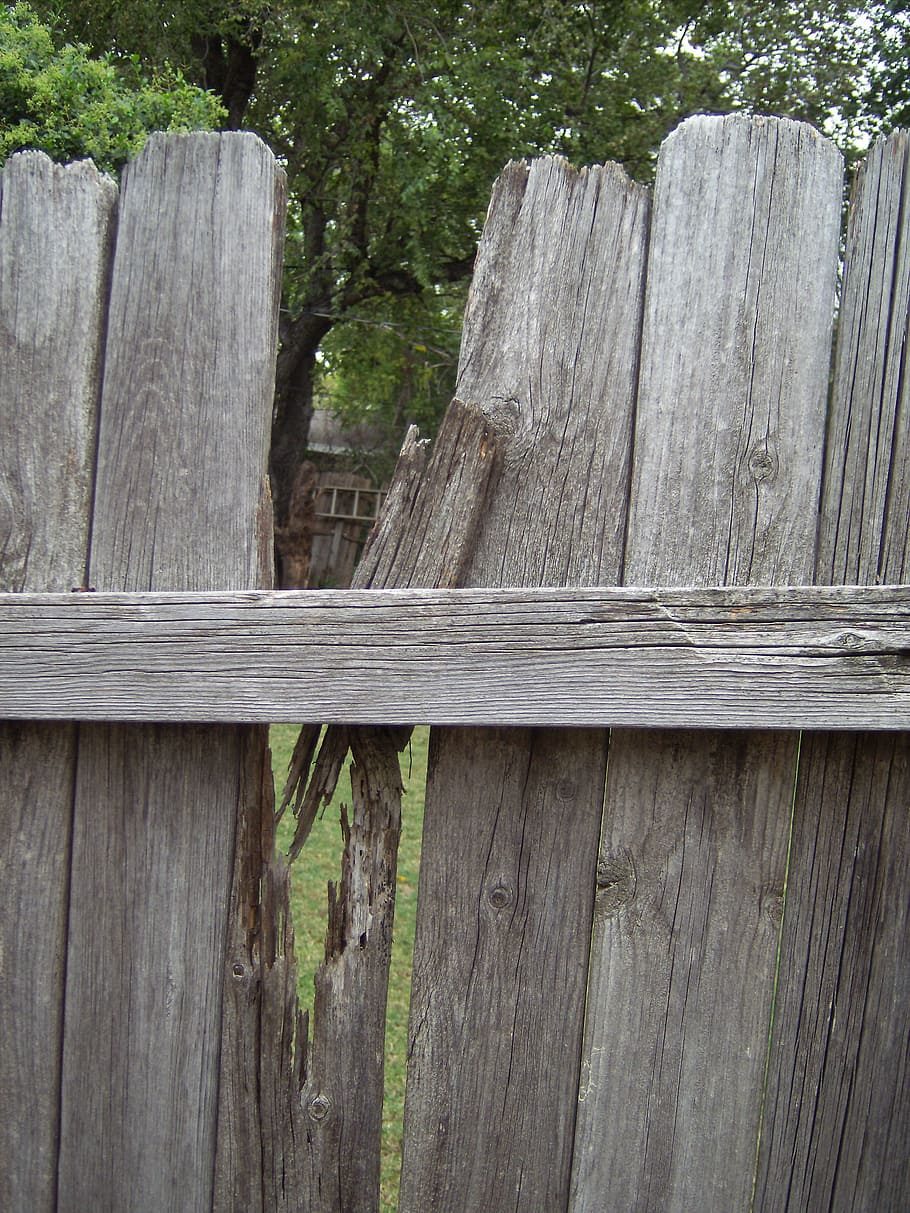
x: 72, y: 104
x: 391, y: 365
x: 889, y: 71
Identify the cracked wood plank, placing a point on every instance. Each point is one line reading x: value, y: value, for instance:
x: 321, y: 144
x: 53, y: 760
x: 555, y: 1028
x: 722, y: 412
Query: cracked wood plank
x: 332, y: 1123
x: 52, y: 303
x: 179, y: 504
x: 838, y: 1109
x: 723, y: 658
x: 728, y: 445
x: 549, y: 353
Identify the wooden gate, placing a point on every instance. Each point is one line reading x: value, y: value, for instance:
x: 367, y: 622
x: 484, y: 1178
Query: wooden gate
x: 660, y: 968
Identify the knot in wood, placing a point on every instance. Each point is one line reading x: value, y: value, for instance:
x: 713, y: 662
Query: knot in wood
x: 616, y: 881
x: 566, y: 790
x: 500, y: 896
x: 318, y: 1107
x: 762, y: 464
x: 772, y: 903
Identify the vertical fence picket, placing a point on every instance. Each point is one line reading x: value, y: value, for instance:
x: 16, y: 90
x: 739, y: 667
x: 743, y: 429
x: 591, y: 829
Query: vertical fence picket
x: 507, y: 872
x: 179, y: 504
x: 52, y: 303
x: 728, y: 446
x: 838, y: 1111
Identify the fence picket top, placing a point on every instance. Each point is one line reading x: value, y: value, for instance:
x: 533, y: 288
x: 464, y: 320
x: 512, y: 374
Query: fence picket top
x: 728, y: 442
x: 52, y: 298
x: 731, y: 350
x: 549, y: 356
x: 838, y: 1100
x: 185, y: 361
x: 179, y: 503
x: 862, y: 532
x: 544, y: 331
x: 55, y: 233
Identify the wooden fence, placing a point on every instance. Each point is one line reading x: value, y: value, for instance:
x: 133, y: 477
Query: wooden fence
x: 344, y: 510
x: 660, y: 968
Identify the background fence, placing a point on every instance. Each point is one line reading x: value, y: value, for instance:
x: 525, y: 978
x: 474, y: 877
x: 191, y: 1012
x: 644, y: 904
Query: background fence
x: 654, y: 970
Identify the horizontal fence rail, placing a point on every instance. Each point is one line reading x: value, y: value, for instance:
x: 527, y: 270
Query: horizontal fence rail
x: 797, y: 657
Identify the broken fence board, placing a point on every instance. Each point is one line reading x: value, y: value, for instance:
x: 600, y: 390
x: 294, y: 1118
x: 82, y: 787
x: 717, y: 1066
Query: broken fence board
x: 784, y: 658
x: 423, y: 538
x: 52, y: 304
x: 549, y: 355
x: 729, y: 429
x: 179, y: 504
x: 838, y: 1110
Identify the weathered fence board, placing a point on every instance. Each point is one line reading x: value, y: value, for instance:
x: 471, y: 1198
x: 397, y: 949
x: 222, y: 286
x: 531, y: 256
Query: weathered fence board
x: 324, y: 1139
x: 178, y: 505
x: 52, y: 302
x: 719, y: 658
x: 838, y: 1115
x: 730, y: 413
x: 549, y: 354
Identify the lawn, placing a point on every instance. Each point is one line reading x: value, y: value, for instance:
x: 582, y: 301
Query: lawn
x: 320, y: 862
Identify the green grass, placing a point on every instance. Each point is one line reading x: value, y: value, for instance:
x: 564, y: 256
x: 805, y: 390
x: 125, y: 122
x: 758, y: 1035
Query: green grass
x: 318, y: 863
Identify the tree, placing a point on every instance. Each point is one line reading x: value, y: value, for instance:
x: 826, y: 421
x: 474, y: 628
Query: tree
x: 393, y: 120
x: 72, y: 104
x: 889, y: 70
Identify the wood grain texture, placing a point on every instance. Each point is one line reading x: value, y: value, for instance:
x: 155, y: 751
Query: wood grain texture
x: 179, y: 504
x: 435, y: 507
x: 735, y: 355
x: 343, y: 1073
x: 332, y: 1119
x: 838, y: 1115
x: 55, y: 227
x: 722, y: 658
x: 499, y: 981
x: 865, y: 511
x: 549, y: 355
x: 189, y: 368
x: 729, y: 434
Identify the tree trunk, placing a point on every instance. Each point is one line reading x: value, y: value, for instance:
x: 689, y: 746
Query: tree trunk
x: 291, y: 421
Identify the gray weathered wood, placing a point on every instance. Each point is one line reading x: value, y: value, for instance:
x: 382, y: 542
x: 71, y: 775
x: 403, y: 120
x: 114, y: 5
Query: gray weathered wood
x: 55, y: 226
x: 722, y: 658
x: 180, y: 504
x: 549, y: 355
x: 838, y: 1110
x: 331, y: 1140
x: 728, y: 446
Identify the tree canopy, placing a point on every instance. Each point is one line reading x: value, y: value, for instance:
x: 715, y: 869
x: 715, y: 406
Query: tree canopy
x: 393, y: 119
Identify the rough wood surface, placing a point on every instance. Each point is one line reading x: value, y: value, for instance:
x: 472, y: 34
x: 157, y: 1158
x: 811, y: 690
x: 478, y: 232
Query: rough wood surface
x: 179, y: 504
x: 838, y: 1110
x: 333, y: 1136
x: 52, y: 300
x: 723, y: 658
x: 549, y: 355
x: 728, y: 444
